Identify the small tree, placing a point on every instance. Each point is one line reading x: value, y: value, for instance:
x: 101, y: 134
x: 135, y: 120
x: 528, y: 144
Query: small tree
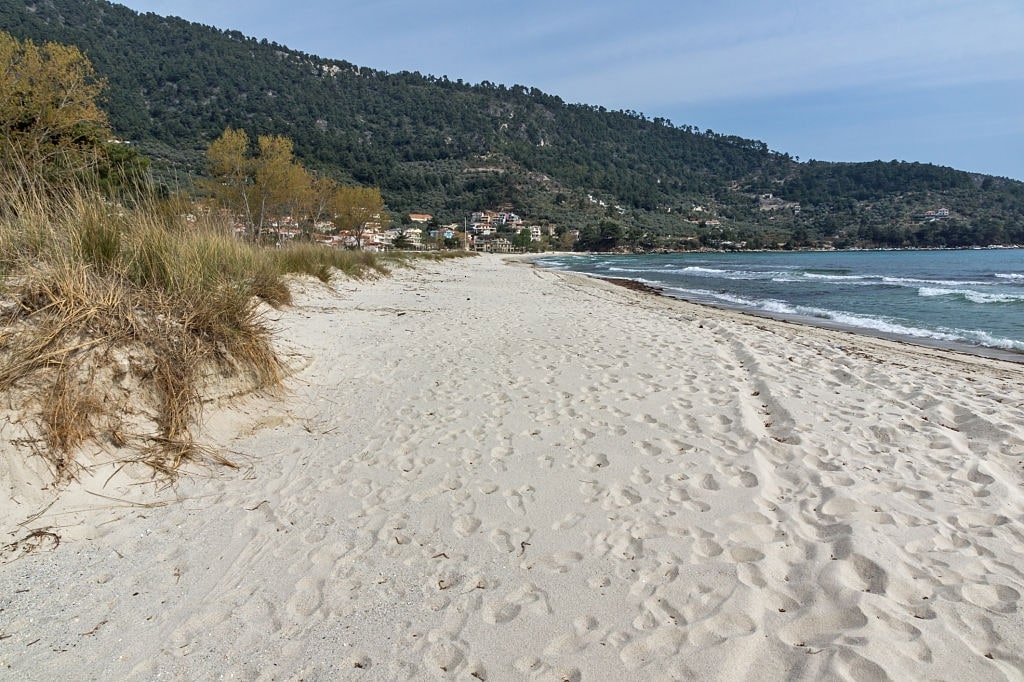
x: 521, y: 240
x: 262, y: 186
x: 50, y: 123
x: 281, y: 184
x: 321, y: 192
x: 402, y: 241
x: 354, y: 208
x: 231, y: 170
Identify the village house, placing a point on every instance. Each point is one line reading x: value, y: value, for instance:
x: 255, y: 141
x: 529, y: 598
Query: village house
x: 936, y: 215
x: 770, y: 202
x: 499, y: 245
x: 486, y: 222
x: 415, y: 237
x: 420, y: 217
x: 482, y: 217
x: 484, y: 225
x: 510, y: 219
x: 446, y: 232
x: 283, y: 233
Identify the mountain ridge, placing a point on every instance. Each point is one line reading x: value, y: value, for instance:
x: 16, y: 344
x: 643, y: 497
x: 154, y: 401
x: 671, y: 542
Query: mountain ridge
x: 175, y: 85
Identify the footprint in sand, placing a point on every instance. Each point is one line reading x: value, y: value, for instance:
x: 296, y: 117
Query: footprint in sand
x: 465, y: 525
x: 640, y: 476
x: 621, y: 495
x: 745, y: 479
x: 565, y: 645
x: 857, y: 667
x: 750, y: 575
x: 593, y: 461
x: 307, y: 598
x: 531, y: 667
x: 706, y: 548
x: 591, y: 491
x: 444, y: 657
x: 974, y: 475
x: 708, y: 482
x: 526, y: 596
x: 501, y: 540
x: 582, y: 434
x: 998, y: 598
x: 689, y: 503
x: 660, y: 646
x: 649, y: 449
x: 860, y: 573
x: 567, y: 521
x: 744, y: 554
x: 978, y: 520
x: 361, y: 487
x: 500, y: 612
x: 514, y: 499
x: 623, y: 545
x: 559, y: 562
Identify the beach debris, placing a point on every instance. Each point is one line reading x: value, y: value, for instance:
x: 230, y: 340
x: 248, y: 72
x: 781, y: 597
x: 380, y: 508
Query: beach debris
x: 92, y: 632
x: 34, y: 542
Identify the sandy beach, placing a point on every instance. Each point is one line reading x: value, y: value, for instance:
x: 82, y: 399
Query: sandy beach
x: 484, y: 470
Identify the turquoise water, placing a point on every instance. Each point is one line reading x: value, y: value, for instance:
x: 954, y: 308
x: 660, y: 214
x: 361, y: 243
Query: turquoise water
x: 970, y: 298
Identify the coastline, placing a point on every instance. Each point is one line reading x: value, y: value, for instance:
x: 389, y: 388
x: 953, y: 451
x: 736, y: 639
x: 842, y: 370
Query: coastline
x: 581, y: 482
x: 993, y: 352
x: 964, y: 348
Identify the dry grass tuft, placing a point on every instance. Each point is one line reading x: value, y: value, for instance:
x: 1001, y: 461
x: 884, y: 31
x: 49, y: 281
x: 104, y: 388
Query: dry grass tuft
x: 85, y: 281
x: 69, y: 414
x: 114, y: 318
x: 321, y: 262
x: 408, y: 259
x: 165, y: 455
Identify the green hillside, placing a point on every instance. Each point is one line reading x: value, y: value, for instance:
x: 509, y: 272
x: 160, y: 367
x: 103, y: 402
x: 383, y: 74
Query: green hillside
x: 447, y: 147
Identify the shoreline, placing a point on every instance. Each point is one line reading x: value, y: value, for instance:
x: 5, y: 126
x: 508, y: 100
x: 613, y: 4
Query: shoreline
x: 483, y: 470
x: 965, y: 353
x: 964, y: 348
x: 1007, y: 355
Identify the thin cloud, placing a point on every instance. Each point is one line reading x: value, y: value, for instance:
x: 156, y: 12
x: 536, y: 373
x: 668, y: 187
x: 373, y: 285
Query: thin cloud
x: 769, y: 55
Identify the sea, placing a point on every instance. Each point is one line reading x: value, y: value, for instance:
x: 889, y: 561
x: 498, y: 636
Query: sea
x: 971, y: 300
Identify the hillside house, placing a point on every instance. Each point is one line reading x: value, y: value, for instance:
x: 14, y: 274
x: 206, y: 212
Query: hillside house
x: 499, y: 245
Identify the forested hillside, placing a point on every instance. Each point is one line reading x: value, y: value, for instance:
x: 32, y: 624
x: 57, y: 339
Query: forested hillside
x: 447, y: 147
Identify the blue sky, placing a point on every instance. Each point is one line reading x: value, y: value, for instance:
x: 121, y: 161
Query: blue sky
x: 939, y: 81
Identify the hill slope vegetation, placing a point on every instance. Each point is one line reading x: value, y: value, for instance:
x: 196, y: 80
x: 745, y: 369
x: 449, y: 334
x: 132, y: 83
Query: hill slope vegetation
x: 447, y: 147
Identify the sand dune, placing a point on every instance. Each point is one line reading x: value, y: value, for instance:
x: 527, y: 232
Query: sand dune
x: 487, y: 471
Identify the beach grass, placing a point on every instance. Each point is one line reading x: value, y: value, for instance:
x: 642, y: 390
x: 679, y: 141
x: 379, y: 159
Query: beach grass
x: 410, y: 258
x: 116, y: 317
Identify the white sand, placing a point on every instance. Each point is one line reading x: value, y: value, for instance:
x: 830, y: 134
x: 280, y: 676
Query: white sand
x: 487, y: 471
